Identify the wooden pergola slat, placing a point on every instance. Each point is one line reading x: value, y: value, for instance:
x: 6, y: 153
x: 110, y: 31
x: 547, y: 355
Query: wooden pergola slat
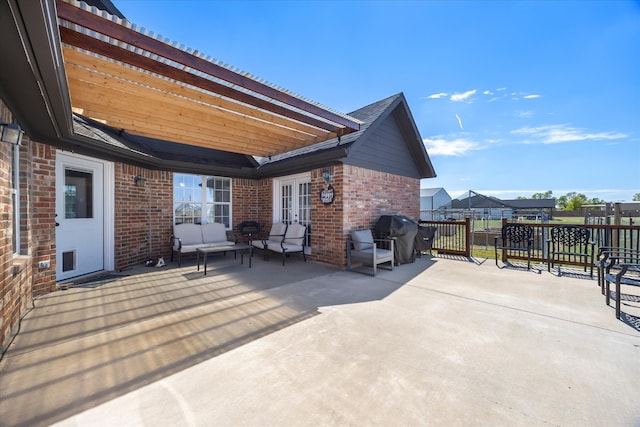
x: 228, y: 138
x: 108, y: 50
x: 119, y: 32
x: 116, y: 72
x: 129, y: 100
x: 145, y: 86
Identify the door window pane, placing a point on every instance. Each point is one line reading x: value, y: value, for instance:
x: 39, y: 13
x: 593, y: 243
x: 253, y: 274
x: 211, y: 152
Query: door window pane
x: 78, y: 194
x: 286, y: 203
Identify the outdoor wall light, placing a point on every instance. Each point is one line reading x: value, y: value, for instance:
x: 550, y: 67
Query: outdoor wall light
x: 140, y: 181
x: 11, y: 133
x: 326, y: 174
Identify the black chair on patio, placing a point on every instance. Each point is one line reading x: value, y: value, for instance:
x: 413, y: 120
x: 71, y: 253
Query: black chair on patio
x: 622, y: 268
x: 570, y: 244
x: 514, y: 238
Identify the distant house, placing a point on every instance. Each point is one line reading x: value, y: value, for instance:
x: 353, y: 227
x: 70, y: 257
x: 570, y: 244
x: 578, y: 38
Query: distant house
x: 432, y: 199
x: 493, y: 208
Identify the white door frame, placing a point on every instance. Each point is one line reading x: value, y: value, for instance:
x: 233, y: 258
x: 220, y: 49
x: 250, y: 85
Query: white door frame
x: 108, y: 190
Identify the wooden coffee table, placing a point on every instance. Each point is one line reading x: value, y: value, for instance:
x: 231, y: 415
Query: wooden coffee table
x: 227, y: 248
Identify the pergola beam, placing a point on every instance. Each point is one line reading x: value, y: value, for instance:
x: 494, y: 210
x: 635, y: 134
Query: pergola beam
x: 108, y: 50
x: 108, y: 72
x: 119, y: 32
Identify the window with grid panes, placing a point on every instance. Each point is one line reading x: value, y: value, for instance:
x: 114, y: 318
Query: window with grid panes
x: 201, y: 199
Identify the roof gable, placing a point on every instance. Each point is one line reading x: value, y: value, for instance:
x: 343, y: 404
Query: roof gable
x: 388, y: 141
x: 391, y: 143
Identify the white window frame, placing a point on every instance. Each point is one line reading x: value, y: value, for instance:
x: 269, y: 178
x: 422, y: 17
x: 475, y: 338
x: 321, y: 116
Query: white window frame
x: 203, y: 198
x: 15, y: 194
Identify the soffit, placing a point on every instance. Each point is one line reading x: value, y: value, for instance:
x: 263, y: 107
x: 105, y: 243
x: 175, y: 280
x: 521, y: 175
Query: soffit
x: 132, y: 80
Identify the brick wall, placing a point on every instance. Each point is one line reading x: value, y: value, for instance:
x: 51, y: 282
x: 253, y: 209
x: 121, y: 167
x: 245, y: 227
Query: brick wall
x: 143, y: 215
x: 40, y: 214
x: 369, y: 194
x: 252, y: 201
x: 362, y: 195
x: 327, y: 243
x: 19, y: 280
x: 15, y: 289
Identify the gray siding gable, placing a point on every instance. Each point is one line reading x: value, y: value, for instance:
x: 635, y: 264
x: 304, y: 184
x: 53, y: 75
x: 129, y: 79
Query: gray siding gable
x: 388, y: 141
x: 391, y: 143
x: 385, y: 150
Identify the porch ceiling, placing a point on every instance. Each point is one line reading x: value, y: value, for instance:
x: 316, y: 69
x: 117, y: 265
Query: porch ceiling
x: 133, y: 81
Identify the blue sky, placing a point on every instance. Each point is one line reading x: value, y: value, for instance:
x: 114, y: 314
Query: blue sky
x: 510, y: 98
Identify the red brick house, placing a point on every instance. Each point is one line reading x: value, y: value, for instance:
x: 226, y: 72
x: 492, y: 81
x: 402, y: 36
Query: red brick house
x: 124, y: 138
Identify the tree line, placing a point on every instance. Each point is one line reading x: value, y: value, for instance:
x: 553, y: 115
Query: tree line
x: 573, y: 201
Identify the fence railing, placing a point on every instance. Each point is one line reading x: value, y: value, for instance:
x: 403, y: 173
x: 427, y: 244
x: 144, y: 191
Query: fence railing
x: 456, y: 237
x: 452, y: 237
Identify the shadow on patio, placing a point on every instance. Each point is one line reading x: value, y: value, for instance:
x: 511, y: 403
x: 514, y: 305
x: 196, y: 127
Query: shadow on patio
x: 99, y: 340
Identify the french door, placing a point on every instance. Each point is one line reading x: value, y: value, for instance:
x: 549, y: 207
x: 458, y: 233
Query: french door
x: 292, y: 202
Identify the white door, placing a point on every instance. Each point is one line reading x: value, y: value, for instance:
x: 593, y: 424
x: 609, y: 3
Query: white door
x: 80, y: 226
x: 293, y: 202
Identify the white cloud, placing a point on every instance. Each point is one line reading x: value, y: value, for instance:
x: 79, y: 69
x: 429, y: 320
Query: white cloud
x: 457, y: 97
x: 524, y: 114
x: 439, y: 146
x: 487, y: 92
x: 534, y: 96
x: 459, y: 122
x: 437, y: 95
x: 556, y: 134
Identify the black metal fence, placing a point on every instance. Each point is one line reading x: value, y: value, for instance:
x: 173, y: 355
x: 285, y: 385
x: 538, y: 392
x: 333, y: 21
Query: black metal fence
x: 456, y: 237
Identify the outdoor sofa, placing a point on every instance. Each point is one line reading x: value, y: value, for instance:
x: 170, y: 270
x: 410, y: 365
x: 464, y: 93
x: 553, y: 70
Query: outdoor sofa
x: 187, y: 238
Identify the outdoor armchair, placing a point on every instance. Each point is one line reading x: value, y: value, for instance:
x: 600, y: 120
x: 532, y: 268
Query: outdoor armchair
x: 362, y: 247
x: 275, y: 237
x: 514, y: 238
x: 570, y: 244
x: 622, y: 268
x: 608, y: 255
x: 293, y: 242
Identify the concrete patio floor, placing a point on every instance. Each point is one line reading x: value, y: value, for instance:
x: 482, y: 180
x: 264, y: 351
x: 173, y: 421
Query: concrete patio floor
x: 437, y: 342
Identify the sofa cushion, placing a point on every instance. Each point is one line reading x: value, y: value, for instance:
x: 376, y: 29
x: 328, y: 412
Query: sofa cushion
x: 362, y: 239
x: 189, y: 234
x: 288, y: 247
x: 213, y: 233
x: 295, y: 236
x: 277, y: 232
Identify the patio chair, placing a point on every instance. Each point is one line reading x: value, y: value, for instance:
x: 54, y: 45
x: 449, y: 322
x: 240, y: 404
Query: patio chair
x: 293, y: 242
x: 570, y: 244
x: 606, y: 256
x: 275, y: 237
x: 514, y: 238
x: 362, y: 247
x: 623, y: 268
